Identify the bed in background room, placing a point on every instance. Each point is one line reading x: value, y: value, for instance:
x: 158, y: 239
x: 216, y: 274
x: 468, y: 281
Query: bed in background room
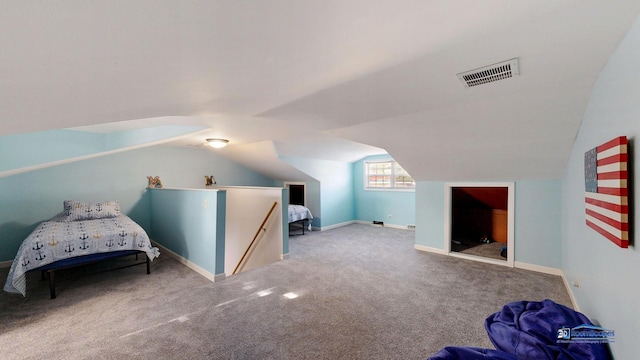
x: 301, y: 215
x: 82, y: 233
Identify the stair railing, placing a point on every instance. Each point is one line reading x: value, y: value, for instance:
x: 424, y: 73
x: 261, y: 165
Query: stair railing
x: 266, y: 218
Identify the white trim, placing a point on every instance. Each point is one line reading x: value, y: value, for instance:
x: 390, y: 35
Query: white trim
x: 510, y: 218
x: 551, y: 271
x: 429, y: 249
x: 187, y: 189
x: 480, y: 259
x: 197, y: 268
x: 334, y: 226
x: 567, y: 285
x: 241, y: 187
x: 518, y: 264
x: 5, y: 264
x: 538, y: 268
x: 365, y: 179
x: 394, y: 226
x: 391, y: 189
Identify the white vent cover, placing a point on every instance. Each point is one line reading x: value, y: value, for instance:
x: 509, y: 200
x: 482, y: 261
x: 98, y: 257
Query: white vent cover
x: 491, y: 73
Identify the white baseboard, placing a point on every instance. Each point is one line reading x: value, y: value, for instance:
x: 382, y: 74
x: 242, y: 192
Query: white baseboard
x: 394, y: 226
x: 6, y: 264
x: 401, y: 227
x: 551, y: 271
x: 538, y: 268
x: 284, y: 256
x: 429, y: 249
x: 334, y: 226
x: 197, y: 268
x: 362, y: 222
x: 574, y: 302
x: 524, y: 266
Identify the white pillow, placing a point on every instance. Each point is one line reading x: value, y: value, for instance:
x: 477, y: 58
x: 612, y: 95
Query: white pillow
x: 77, y: 210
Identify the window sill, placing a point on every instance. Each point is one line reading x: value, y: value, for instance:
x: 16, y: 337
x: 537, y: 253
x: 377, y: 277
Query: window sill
x: 390, y: 189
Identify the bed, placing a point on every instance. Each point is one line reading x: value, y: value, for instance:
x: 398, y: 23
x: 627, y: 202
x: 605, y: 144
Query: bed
x: 82, y: 233
x: 299, y: 214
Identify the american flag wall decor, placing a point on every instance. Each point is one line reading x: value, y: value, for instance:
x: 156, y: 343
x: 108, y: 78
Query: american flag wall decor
x: 606, y: 190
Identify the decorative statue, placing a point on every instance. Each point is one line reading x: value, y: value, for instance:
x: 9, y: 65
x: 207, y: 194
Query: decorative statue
x: 154, y: 182
x: 210, y: 180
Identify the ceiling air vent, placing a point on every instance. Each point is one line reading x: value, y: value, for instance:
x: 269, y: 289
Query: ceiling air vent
x: 491, y: 73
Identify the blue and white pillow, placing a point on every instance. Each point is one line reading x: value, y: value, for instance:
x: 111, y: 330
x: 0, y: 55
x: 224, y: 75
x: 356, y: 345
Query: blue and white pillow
x: 77, y: 210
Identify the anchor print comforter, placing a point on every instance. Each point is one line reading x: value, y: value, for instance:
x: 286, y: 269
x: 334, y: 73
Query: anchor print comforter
x: 52, y: 241
x: 299, y: 212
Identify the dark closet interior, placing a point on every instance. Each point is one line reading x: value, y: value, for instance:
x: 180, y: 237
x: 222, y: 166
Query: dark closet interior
x: 479, y: 220
x: 296, y: 194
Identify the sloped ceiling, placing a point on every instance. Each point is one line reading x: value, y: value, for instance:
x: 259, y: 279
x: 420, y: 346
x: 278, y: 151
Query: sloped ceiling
x: 333, y: 80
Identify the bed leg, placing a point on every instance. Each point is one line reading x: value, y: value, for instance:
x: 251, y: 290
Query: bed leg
x: 52, y: 284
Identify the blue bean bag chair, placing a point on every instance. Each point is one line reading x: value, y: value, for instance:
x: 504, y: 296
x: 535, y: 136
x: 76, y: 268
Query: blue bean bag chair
x: 529, y: 330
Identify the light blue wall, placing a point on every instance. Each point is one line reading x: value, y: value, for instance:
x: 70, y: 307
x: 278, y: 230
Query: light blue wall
x: 430, y: 214
x: 538, y: 222
x: 537, y: 228
x: 285, y: 221
x: 27, y: 199
x: 337, y: 195
x: 609, y: 276
x: 314, y: 201
x: 189, y: 223
x: 377, y: 205
x: 23, y: 150
x: 221, y: 231
x: 39, y: 148
x: 335, y: 185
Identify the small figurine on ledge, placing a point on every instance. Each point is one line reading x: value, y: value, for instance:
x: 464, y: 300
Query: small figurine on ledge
x: 210, y: 180
x: 154, y: 182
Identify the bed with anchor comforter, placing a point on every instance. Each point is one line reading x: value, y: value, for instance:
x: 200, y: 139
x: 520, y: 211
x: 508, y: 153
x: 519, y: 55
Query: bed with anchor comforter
x: 64, y: 237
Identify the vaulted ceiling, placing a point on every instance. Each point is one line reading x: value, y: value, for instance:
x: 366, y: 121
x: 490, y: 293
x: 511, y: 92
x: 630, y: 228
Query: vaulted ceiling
x: 332, y: 80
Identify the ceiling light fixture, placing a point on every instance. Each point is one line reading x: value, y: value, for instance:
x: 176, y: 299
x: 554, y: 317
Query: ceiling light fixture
x: 217, y: 143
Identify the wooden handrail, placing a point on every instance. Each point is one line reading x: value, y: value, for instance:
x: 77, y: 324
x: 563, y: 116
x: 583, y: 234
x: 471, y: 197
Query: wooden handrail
x: 255, y: 237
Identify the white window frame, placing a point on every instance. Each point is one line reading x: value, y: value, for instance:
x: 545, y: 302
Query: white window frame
x: 392, y: 176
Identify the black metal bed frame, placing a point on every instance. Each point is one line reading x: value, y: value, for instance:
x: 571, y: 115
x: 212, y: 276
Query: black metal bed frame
x: 299, y: 221
x: 50, y: 269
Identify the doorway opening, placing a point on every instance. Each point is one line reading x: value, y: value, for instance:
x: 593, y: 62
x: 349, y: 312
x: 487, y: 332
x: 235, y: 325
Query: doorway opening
x: 297, y: 193
x: 479, y: 221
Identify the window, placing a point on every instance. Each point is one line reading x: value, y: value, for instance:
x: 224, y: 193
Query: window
x: 387, y: 175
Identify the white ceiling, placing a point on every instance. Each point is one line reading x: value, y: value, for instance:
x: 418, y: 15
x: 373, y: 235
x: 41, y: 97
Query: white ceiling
x: 333, y: 80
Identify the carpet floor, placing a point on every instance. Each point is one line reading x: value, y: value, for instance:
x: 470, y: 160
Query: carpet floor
x: 491, y: 250
x: 355, y: 292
